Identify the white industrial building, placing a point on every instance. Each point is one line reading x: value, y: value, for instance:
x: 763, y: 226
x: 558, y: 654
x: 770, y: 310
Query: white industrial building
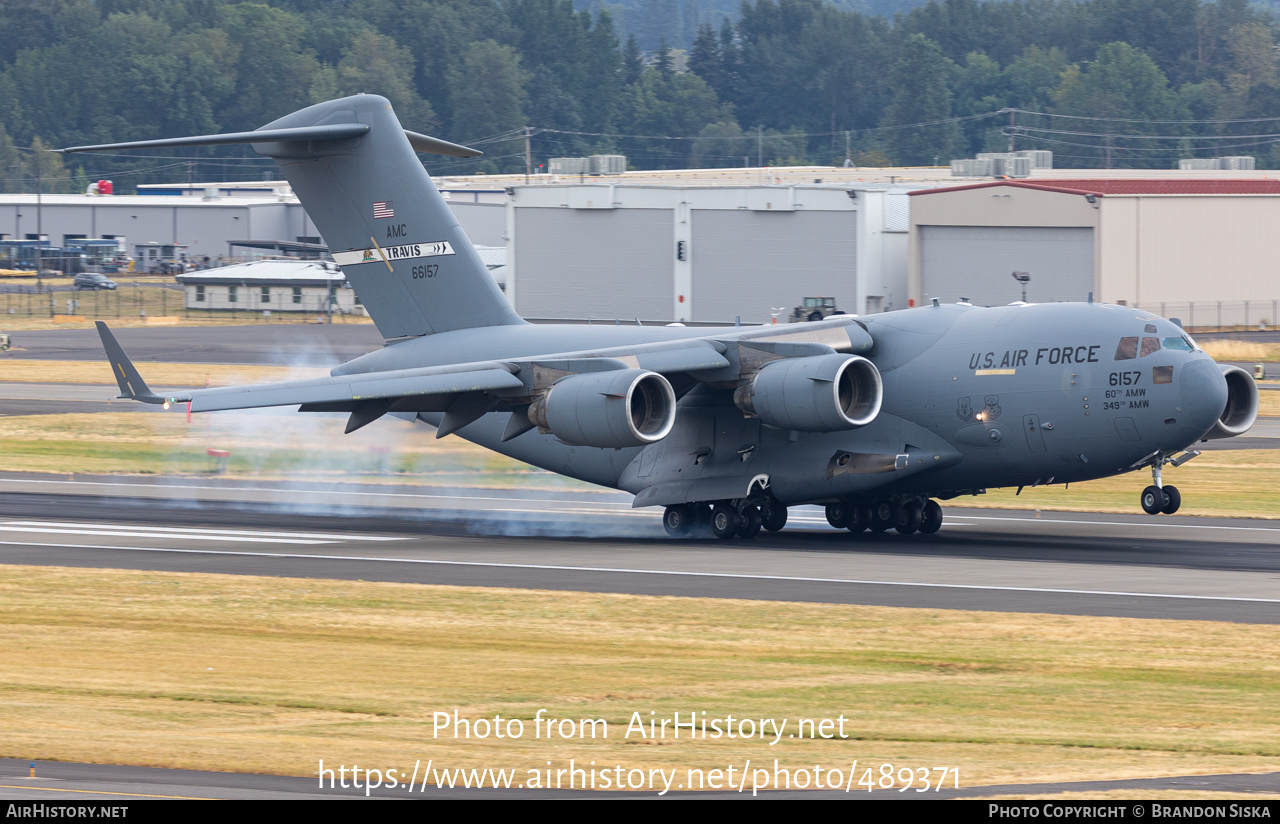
x: 206, y: 218
x: 271, y: 286
x: 703, y: 253
x: 1202, y: 249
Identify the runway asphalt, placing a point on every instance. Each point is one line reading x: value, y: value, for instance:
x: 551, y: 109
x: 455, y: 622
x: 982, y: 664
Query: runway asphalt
x: 285, y: 344
x: 70, y: 783
x: 1062, y: 563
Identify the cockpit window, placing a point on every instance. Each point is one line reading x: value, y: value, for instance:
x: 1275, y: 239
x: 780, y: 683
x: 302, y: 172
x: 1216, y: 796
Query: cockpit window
x: 1162, y: 374
x: 1149, y: 346
x: 1128, y: 349
x: 1150, y: 328
x: 1180, y: 344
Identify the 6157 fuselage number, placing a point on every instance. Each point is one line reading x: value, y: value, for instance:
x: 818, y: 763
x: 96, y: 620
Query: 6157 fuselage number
x: 1124, y: 378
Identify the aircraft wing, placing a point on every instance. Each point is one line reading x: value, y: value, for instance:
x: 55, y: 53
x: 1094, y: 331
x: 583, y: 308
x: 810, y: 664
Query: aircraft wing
x: 453, y: 389
x: 408, y: 383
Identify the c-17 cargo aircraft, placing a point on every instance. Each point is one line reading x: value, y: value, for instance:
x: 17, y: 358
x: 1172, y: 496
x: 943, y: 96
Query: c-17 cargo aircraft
x: 875, y: 417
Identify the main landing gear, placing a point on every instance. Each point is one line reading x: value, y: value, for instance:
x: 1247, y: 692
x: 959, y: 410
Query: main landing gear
x: 745, y: 518
x: 905, y: 514
x: 725, y: 519
x: 1159, y: 499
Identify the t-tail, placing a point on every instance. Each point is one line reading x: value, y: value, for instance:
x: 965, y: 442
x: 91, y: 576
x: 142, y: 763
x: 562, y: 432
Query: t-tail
x: 355, y: 171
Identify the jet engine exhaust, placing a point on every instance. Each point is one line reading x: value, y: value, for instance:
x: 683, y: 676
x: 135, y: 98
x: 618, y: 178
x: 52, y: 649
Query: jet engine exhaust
x: 824, y: 393
x: 614, y: 409
x: 1242, y: 405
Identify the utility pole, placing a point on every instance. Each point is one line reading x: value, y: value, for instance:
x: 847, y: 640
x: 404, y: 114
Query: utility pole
x: 528, y: 153
x: 760, y: 146
x: 39, y: 228
x: 190, y: 169
x: 848, y: 160
x: 1012, y: 128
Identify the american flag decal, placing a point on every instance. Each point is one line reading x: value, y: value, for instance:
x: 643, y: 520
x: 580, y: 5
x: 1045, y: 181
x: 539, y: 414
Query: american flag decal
x: 383, y: 209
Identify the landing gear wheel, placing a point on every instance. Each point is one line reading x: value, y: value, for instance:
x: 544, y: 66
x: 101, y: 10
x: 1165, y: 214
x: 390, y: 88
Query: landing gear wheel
x: 859, y: 518
x: 882, y: 516
x: 909, y: 518
x: 751, y: 520
x: 1154, y: 500
x: 678, y: 520
x: 838, y: 514
x: 1173, y: 499
x: 724, y: 522
x: 931, y: 518
x: 773, y: 516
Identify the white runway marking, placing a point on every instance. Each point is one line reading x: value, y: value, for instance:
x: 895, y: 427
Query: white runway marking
x: 678, y: 573
x: 182, y: 533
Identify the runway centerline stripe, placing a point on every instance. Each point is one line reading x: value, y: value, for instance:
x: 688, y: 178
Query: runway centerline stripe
x: 672, y: 572
x: 169, y: 536
x: 176, y: 530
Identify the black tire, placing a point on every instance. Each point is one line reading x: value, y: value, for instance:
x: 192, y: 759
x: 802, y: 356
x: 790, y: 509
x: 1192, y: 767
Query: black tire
x: 773, y: 516
x: 882, y: 516
x: 838, y: 514
x: 750, y: 522
x: 724, y: 522
x: 1173, y: 500
x: 814, y: 316
x: 678, y: 520
x: 1153, y: 500
x: 909, y: 517
x: 931, y: 518
x: 859, y: 518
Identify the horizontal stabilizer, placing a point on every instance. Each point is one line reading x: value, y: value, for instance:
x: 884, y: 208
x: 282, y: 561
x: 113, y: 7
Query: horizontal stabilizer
x: 340, y: 131
x: 434, y: 145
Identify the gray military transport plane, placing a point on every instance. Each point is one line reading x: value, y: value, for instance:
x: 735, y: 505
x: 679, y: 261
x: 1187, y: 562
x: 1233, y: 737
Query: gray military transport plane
x: 875, y: 417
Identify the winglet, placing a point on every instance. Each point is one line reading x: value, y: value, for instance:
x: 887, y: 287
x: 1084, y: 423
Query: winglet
x: 131, y: 383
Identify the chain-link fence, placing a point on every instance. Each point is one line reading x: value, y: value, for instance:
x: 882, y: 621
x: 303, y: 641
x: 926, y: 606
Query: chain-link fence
x: 159, y: 300
x: 1219, y: 315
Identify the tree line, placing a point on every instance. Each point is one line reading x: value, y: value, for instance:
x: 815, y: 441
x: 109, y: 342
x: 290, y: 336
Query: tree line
x: 1127, y: 83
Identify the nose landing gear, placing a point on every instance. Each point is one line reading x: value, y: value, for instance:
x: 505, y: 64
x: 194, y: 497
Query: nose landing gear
x: 1159, y: 499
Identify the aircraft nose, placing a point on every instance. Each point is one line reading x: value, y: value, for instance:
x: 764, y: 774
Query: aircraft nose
x: 1204, y: 393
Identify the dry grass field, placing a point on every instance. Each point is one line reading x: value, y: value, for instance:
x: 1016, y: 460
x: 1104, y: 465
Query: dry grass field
x: 1240, y: 350
x: 271, y: 675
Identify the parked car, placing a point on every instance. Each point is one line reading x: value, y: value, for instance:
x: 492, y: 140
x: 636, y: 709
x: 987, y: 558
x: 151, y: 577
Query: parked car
x: 92, y: 280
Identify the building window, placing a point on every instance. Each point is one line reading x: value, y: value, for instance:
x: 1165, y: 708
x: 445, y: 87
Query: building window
x: 333, y: 296
x: 199, y: 293
x: 266, y: 294
x: 231, y: 294
x: 297, y: 295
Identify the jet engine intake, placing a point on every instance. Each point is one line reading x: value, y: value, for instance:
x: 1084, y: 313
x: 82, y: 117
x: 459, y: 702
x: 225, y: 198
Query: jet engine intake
x: 1242, y: 405
x: 822, y: 393
x: 612, y: 409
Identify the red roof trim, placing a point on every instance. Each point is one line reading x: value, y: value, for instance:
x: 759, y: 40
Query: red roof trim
x: 1130, y: 186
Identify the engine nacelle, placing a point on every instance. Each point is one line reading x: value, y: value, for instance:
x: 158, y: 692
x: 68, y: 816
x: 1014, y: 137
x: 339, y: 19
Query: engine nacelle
x: 823, y: 393
x: 623, y: 407
x: 1242, y: 405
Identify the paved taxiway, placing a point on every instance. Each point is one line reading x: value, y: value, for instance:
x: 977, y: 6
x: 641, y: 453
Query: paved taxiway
x: 1065, y: 563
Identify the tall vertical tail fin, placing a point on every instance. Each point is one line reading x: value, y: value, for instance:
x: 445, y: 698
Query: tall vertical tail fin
x: 354, y: 168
